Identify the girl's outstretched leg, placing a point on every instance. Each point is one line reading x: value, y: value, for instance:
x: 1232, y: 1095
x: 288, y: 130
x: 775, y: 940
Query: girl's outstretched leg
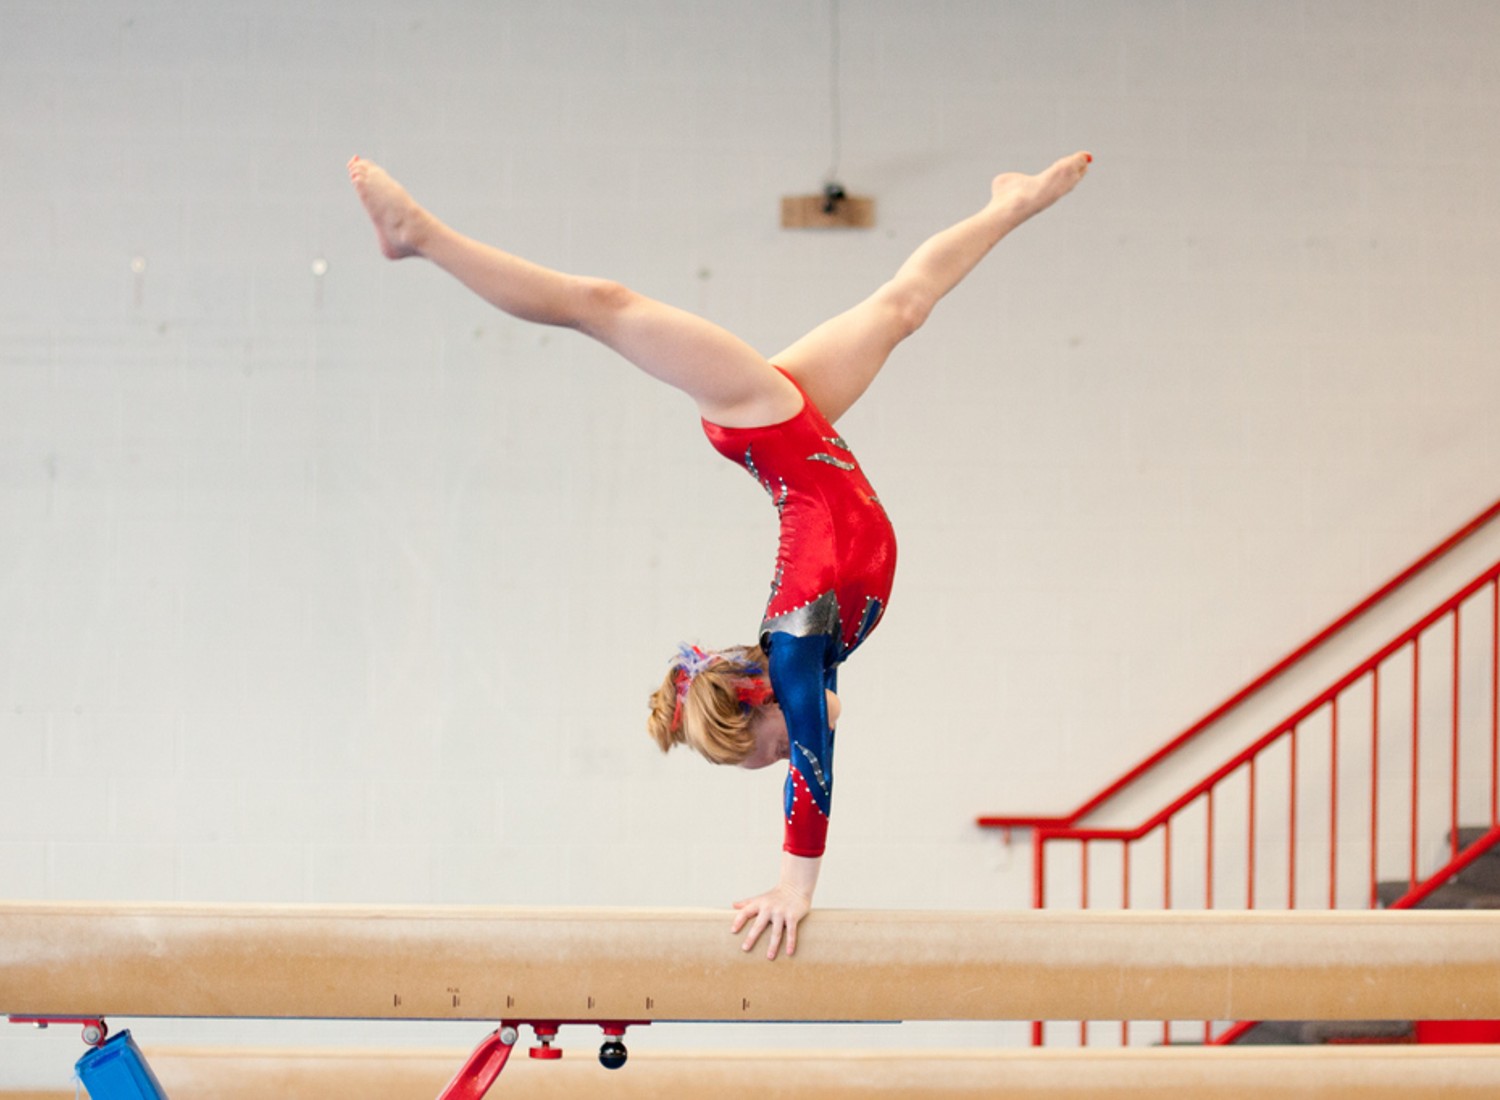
x: 731, y: 382
x: 839, y: 359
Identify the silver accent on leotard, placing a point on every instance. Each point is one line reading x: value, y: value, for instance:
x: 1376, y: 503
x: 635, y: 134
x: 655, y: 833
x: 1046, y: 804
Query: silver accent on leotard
x: 818, y: 617
x: 778, y: 498
x: 817, y: 768
x: 828, y: 458
x: 777, y: 579
x: 835, y: 441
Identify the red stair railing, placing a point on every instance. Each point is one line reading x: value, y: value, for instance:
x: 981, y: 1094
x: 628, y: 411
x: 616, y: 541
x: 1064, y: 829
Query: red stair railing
x: 1410, y: 734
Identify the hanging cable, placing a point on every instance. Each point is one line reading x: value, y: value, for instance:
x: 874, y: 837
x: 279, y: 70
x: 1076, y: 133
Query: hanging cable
x: 833, y: 191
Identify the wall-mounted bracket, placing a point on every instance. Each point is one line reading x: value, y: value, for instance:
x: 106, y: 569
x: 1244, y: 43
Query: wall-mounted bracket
x: 835, y: 208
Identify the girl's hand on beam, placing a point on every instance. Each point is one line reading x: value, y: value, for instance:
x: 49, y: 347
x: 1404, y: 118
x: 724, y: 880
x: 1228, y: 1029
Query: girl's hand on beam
x: 782, y: 908
x: 779, y: 910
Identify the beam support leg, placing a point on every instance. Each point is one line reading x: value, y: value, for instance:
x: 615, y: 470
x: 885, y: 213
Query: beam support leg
x: 483, y: 1066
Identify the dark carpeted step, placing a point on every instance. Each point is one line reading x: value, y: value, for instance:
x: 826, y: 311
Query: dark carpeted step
x: 1357, y: 1031
x: 1271, y: 1033
x: 1485, y: 871
x: 1471, y: 833
x: 1314, y: 1032
x: 1458, y: 894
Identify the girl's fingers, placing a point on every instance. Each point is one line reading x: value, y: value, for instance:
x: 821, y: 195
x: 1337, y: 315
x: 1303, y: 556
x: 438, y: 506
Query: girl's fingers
x: 776, y: 928
x: 755, y: 930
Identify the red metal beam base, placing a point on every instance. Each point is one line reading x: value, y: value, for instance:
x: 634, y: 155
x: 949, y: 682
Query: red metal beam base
x: 489, y: 1058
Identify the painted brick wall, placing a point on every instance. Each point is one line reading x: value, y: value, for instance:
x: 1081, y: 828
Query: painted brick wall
x: 321, y: 581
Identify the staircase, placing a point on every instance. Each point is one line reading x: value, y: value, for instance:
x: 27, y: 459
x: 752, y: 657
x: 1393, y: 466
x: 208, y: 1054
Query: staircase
x: 1475, y: 886
x: 1352, y: 764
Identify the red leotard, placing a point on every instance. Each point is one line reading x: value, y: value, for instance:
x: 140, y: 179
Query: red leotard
x: 834, y: 568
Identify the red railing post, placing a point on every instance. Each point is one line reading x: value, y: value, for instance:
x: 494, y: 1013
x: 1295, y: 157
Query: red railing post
x: 1291, y: 827
x: 1250, y: 845
x: 1333, y: 805
x: 1375, y: 788
x: 1083, y: 874
x: 1166, y: 860
x: 1083, y: 903
x: 1125, y: 904
x: 1495, y: 704
x: 1416, y: 726
x: 1453, y: 762
x: 1038, y: 899
x: 1166, y: 900
x: 1208, y: 876
x: 1208, y: 868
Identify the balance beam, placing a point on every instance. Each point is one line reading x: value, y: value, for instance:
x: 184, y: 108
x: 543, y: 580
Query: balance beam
x: 1161, y: 1073
x: 323, y: 962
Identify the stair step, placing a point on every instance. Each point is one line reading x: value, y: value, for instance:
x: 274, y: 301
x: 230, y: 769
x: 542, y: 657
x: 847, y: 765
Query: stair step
x: 1469, y: 889
x: 1458, y: 894
x: 1468, y: 834
x: 1272, y: 1033
x: 1358, y: 1031
x: 1484, y: 871
x: 1313, y: 1032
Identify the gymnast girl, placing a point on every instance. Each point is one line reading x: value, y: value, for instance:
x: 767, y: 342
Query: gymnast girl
x: 755, y: 705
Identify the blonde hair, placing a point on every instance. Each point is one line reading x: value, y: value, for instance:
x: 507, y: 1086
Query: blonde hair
x: 713, y: 719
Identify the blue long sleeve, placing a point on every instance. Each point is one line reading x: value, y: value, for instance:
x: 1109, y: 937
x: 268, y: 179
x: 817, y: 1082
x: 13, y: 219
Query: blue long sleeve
x: 801, y: 675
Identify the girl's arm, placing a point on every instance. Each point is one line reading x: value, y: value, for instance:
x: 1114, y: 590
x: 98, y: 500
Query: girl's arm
x: 797, y: 678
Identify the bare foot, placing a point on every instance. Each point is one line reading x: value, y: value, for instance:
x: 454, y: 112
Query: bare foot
x: 1021, y: 196
x: 400, y: 224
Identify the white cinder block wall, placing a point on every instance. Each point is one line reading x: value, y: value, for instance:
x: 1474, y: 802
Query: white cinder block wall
x: 321, y: 582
